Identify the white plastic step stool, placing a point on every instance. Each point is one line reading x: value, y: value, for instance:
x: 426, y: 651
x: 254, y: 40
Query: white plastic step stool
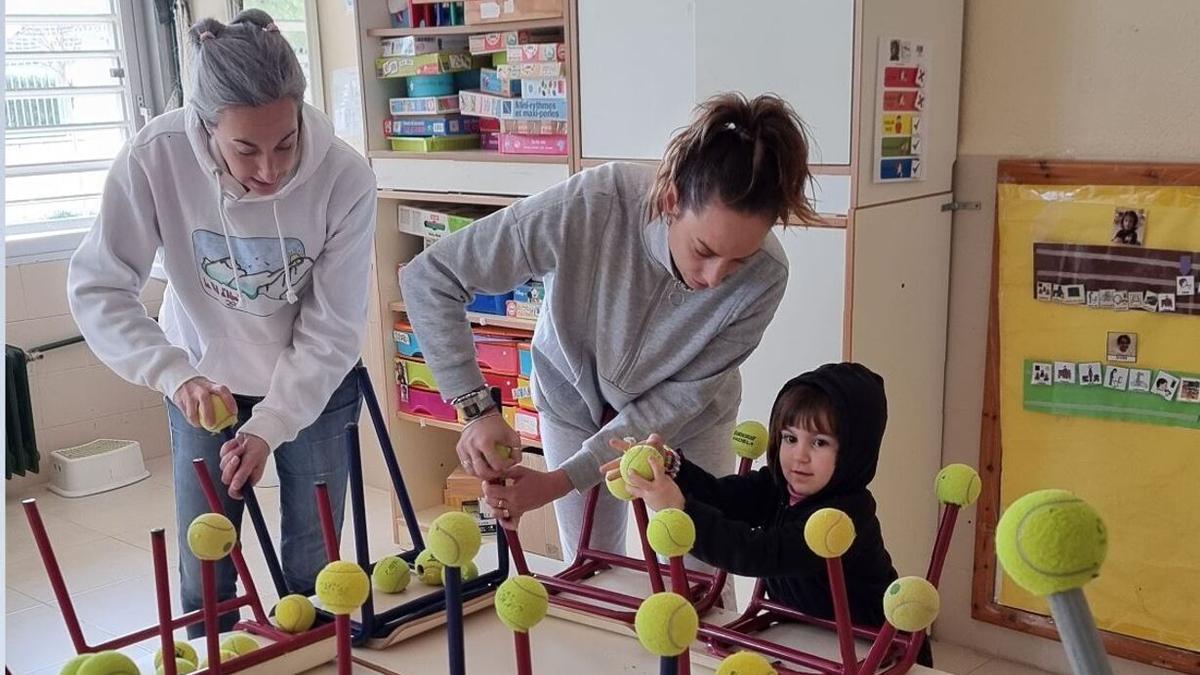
x: 98, y: 466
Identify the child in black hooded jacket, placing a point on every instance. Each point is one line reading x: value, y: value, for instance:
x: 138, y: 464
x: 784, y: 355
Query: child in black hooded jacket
x: 826, y: 429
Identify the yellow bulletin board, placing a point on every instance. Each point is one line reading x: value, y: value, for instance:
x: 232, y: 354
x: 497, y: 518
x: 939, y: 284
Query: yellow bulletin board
x: 1093, y: 385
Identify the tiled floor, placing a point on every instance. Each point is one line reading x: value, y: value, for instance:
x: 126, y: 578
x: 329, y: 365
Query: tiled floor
x: 102, y: 544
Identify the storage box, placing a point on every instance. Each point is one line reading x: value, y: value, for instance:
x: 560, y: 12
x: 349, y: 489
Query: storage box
x: 406, y: 341
x: 436, y: 221
x: 425, y: 105
x: 441, y: 84
x: 507, y: 384
x: 525, y: 355
x: 536, y: 127
x: 523, y: 310
x: 551, y: 51
x: 534, y: 291
x: 489, y: 105
x: 425, y: 403
x: 544, y: 87
x: 528, y: 424
x: 415, y: 374
x: 440, y: 125
x: 524, y: 394
x: 492, y: 83
x: 489, y: 140
x: 489, y: 124
x: 516, y: 71
x: 491, y: 43
x: 489, y: 304
x: 434, y: 143
x: 493, y: 11
x: 498, y: 355
x: 467, y: 79
x: 413, y: 45
x: 528, y: 144
x: 424, y: 64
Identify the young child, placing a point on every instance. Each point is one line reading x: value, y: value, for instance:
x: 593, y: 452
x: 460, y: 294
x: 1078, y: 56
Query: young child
x: 826, y: 428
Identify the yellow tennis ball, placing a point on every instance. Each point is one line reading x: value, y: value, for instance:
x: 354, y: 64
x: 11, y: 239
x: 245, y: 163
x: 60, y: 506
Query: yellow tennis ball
x: 222, y: 417
x: 343, y: 587
x: 469, y: 572
x: 503, y: 451
x: 240, y: 644
x: 211, y: 536
x: 617, y: 486
x: 223, y: 656
x: 666, y: 623
x: 295, y: 613
x: 108, y: 663
x: 957, y: 484
x: 671, y: 533
x: 454, y: 538
x: 182, y: 650
x: 1051, y: 541
x: 521, y: 602
x: 746, y: 663
x: 911, y: 604
x: 182, y: 667
x: 391, y: 574
x: 750, y: 439
x: 637, y: 459
x: 829, y: 533
x: 72, y: 666
x: 429, y: 568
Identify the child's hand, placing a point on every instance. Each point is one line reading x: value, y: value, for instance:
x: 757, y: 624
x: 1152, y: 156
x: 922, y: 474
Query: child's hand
x: 623, y: 444
x: 659, y: 493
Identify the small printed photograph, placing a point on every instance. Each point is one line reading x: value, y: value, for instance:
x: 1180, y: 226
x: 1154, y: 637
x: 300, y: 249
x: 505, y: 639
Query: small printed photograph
x: 1093, y: 299
x: 1185, y: 285
x: 1122, y: 347
x: 1129, y: 227
x: 1056, y: 293
x: 1139, y: 380
x: 1073, y: 294
x: 1189, y: 389
x: 1064, y: 372
x: 1165, y: 384
x: 1106, y: 297
x: 1166, y: 302
x: 1041, y: 373
x: 1116, y: 378
x: 1044, y: 289
x: 1121, y: 301
x: 1090, y: 375
x: 1150, y: 301
x: 1137, y: 300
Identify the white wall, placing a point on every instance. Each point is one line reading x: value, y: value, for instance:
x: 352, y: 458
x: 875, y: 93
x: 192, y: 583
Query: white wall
x: 1063, y: 79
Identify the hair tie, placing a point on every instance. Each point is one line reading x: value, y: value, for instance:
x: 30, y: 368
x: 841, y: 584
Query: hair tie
x: 271, y: 28
x: 207, y: 35
x: 739, y: 130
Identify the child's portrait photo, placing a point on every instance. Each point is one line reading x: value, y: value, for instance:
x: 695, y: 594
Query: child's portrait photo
x: 1166, y: 302
x: 1064, y: 372
x: 1044, y: 289
x: 894, y: 51
x: 1129, y: 227
x: 1122, y: 347
x: 1106, y: 297
x: 1139, y: 380
x: 1185, y: 285
x: 1189, y: 389
x: 1089, y: 374
x: 1165, y: 384
x: 1041, y: 373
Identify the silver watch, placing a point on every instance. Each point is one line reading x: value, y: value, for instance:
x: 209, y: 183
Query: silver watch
x: 474, y: 404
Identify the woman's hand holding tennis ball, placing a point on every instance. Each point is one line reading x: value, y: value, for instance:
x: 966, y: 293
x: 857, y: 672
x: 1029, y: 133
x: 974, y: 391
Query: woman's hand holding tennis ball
x: 195, y: 399
x: 477, y: 447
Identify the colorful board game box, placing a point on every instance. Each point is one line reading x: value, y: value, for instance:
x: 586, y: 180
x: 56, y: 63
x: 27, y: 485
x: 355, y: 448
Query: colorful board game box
x: 517, y: 71
x: 490, y: 43
x: 542, y: 127
x: 438, y: 220
x: 489, y: 105
x: 551, y: 51
x: 441, y: 84
x: 414, y: 45
x: 528, y: 144
x: 548, y: 87
x: 434, y: 143
x: 443, y: 125
x: 425, y: 105
x: 492, y: 83
x: 424, y: 64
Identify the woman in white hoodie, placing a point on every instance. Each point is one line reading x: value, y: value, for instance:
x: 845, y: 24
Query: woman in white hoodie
x: 265, y: 223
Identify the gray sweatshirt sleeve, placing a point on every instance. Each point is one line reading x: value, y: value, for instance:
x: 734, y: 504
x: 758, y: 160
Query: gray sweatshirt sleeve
x: 673, y: 403
x: 494, y: 255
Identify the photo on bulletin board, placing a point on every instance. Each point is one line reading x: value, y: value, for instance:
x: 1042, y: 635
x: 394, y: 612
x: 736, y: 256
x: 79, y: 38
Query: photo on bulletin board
x: 1092, y: 385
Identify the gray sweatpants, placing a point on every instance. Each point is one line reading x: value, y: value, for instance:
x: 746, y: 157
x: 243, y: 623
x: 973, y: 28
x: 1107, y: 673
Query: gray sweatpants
x: 710, y: 449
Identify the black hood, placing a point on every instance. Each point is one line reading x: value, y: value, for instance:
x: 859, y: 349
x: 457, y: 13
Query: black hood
x: 860, y: 406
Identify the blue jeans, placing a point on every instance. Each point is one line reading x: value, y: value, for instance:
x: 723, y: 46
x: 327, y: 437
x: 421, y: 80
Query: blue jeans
x: 317, y: 454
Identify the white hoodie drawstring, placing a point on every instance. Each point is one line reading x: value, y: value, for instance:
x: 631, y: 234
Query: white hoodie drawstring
x: 287, y: 265
x: 237, y: 277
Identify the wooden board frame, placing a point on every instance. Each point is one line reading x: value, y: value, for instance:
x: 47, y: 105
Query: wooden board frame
x: 984, y: 606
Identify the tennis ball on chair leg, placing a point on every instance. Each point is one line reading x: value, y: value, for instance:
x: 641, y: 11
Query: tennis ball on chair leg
x: 957, y: 484
x: 911, y: 604
x: 521, y: 602
x: 454, y: 538
x: 295, y: 613
x: 829, y: 532
x: 108, y: 663
x: 671, y: 532
x: 1051, y: 541
x: 428, y: 568
x: 182, y: 667
x: 182, y: 650
x: 343, y: 587
x: 666, y: 624
x: 240, y: 644
x: 750, y: 439
x: 222, y: 416
x: 211, y: 536
x: 637, y: 460
x: 391, y: 574
x: 72, y: 667
x: 746, y: 663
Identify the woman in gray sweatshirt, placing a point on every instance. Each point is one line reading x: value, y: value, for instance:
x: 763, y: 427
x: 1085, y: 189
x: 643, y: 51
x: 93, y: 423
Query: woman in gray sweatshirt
x: 659, y: 284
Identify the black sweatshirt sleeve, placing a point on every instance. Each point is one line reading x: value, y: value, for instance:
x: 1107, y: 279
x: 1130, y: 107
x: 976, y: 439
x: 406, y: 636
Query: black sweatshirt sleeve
x: 746, y: 498
x: 773, y: 551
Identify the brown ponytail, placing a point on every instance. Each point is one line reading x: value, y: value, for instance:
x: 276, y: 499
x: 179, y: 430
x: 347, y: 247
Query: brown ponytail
x: 750, y: 155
